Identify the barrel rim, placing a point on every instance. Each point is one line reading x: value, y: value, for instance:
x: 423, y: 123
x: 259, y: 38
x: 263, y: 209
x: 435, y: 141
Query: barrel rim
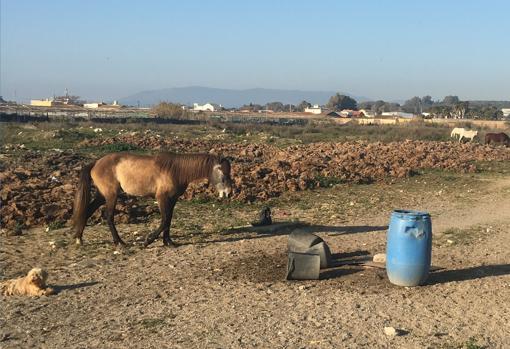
x: 410, y: 214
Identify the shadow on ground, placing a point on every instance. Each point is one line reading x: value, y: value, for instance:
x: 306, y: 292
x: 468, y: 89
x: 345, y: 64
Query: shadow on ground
x: 472, y: 273
x: 285, y: 228
x: 60, y: 288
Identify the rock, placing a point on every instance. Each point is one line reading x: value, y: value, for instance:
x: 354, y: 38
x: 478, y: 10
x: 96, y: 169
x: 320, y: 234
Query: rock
x: 390, y: 331
x: 380, y: 258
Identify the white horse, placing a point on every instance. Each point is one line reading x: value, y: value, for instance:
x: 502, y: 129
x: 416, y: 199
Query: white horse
x: 457, y: 132
x: 468, y: 134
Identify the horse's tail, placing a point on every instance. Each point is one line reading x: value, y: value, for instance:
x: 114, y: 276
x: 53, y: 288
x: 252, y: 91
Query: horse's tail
x: 82, y: 197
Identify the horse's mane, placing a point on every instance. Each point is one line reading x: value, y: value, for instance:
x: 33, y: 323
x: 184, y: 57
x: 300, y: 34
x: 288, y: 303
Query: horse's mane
x: 185, y: 168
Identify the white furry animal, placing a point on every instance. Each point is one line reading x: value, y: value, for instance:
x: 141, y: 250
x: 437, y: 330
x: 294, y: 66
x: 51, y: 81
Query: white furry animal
x: 34, y: 284
x: 456, y: 132
x: 461, y: 133
x: 468, y: 134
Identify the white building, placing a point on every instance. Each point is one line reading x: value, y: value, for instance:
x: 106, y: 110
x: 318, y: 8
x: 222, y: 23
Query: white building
x: 42, y: 102
x: 506, y: 112
x: 206, y: 107
x: 93, y: 105
x: 316, y: 109
x: 399, y: 114
x: 367, y: 113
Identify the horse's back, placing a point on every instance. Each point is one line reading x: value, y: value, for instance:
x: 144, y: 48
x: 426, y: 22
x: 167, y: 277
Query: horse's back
x: 500, y: 137
x: 135, y: 174
x: 457, y: 131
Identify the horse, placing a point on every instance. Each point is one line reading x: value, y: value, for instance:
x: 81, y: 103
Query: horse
x: 164, y: 176
x: 468, y: 134
x: 497, y: 138
x: 456, y: 132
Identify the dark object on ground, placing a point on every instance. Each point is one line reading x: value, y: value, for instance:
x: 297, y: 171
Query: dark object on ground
x: 304, y: 242
x: 497, y: 138
x: 16, y: 231
x: 303, y: 266
x: 264, y: 217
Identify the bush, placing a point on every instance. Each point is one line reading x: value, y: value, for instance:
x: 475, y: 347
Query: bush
x: 170, y: 110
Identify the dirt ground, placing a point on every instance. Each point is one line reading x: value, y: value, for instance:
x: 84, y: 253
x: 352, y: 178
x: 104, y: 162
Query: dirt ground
x: 226, y: 289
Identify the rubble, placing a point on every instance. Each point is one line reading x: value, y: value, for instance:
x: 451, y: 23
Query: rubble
x: 38, y: 187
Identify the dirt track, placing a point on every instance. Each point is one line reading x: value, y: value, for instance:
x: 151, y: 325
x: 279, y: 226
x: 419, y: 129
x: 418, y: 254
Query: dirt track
x: 230, y: 292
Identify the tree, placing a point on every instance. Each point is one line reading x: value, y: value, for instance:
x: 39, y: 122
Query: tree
x: 252, y: 107
x: 388, y: 107
x: 341, y: 102
x: 491, y: 113
x: 378, y: 107
x: 413, y: 105
x: 275, y: 106
x: 450, y: 100
x: 460, y: 109
x: 302, y: 106
x: 366, y: 105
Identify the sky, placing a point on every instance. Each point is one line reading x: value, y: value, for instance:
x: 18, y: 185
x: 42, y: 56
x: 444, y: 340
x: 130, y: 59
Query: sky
x: 391, y: 50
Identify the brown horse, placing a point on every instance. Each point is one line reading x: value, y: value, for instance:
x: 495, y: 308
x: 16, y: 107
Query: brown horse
x: 164, y: 176
x: 497, y: 138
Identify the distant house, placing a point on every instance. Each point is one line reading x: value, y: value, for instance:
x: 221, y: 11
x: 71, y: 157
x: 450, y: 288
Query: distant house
x: 367, y: 113
x: 398, y: 114
x: 506, y: 112
x: 332, y: 113
x: 206, y: 107
x: 316, y: 109
x: 42, y: 102
x: 93, y: 105
x: 262, y: 111
x: 348, y: 113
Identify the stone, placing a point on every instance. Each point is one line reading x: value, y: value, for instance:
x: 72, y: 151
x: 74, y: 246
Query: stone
x: 380, y: 258
x: 390, y: 331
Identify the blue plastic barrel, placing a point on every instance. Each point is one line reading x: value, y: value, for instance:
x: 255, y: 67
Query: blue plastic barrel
x: 408, y: 247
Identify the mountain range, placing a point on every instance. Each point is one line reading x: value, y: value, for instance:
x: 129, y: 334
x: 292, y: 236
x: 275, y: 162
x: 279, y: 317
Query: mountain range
x: 229, y: 97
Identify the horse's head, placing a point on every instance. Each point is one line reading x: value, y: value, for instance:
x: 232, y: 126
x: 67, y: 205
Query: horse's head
x: 220, y: 178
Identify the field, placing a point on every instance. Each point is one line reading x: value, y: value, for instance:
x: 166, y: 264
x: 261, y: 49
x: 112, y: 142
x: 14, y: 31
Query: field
x: 224, y: 285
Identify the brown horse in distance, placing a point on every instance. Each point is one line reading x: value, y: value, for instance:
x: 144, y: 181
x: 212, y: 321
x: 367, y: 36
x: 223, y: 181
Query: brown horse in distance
x: 164, y: 176
x: 497, y: 138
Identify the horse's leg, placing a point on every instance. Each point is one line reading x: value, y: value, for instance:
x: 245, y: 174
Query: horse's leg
x: 164, y: 208
x: 95, y: 204
x: 166, y: 229
x: 91, y: 208
x: 111, y: 200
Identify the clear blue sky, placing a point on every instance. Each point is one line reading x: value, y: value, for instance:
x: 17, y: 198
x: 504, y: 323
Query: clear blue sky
x: 379, y: 49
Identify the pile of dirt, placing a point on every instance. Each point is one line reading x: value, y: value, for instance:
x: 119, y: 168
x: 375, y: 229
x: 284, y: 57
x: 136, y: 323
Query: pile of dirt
x: 37, y: 188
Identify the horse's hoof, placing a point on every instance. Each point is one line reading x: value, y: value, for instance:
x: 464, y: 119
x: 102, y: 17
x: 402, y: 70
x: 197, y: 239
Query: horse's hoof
x: 78, y: 241
x: 119, y: 244
x: 169, y: 244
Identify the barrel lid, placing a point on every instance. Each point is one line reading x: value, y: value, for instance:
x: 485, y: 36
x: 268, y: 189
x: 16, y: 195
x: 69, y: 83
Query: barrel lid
x: 410, y: 214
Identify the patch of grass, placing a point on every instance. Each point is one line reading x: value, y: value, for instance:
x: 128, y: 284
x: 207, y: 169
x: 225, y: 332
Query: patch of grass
x: 152, y: 323
x: 112, y: 148
x: 490, y: 167
x: 55, y: 225
x: 472, y: 344
x: 326, y: 182
x: 455, y: 236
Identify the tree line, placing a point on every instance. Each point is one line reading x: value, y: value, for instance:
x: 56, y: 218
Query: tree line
x: 448, y: 107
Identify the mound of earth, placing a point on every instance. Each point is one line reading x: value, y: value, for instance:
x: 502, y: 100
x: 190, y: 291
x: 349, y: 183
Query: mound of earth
x: 38, y: 188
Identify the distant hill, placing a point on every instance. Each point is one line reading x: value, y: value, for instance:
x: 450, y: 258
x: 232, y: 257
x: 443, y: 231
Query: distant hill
x: 228, y: 98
